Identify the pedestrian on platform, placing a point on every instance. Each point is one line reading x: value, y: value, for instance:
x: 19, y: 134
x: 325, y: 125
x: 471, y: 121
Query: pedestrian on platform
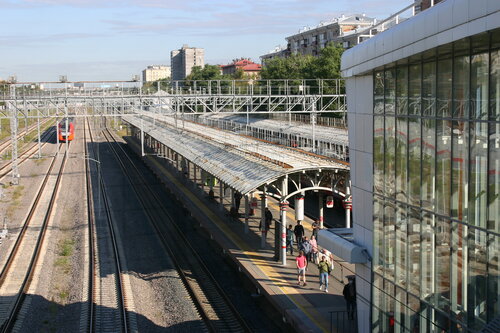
x: 299, y: 233
x: 324, y: 270
x: 306, y: 247
x: 289, y: 239
x: 237, y: 200
x: 350, y: 296
x: 268, y: 219
x: 314, y: 249
x: 315, y: 227
x: 301, y: 262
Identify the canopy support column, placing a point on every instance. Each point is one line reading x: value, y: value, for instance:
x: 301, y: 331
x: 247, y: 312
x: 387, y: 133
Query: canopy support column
x: 221, y: 194
x: 283, y: 209
x: 247, y: 212
x: 263, y: 205
x: 321, y: 209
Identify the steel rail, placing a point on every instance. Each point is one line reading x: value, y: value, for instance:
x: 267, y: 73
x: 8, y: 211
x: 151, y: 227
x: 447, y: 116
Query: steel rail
x: 91, y: 222
x: 25, y: 156
x: 119, y: 277
x: 224, y: 308
x: 8, y: 324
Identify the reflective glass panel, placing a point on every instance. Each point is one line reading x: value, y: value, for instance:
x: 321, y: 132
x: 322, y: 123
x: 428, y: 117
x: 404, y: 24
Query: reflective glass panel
x: 401, y: 240
x: 427, y: 257
x: 401, y: 158
x: 443, y: 258
x: 494, y: 178
x: 378, y: 102
x: 479, y: 86
x: 493, y: 307
x: 402, y: 90
x: 478, y: 173
x: 444, y: 88
x: 389, y: 240
x: 390, y: 90
x: 415, y: 89
x: 461, y: 87
x: 459, y: 170
x: 428, y: 163
x: 390, y: 154
x: 458, y: 272
x: 378, y: 235
x: 443, y: 166
x: 378, y: 302
x: 414, y: 160
x: 476, y: 290
x: 429, y: 88
x: 400, y: 314
x: 414, y: 251
x: 378, y: 154
x: 495, y: 86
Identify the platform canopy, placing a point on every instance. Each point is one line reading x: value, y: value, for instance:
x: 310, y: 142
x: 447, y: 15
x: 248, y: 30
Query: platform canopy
x: 241, y: 162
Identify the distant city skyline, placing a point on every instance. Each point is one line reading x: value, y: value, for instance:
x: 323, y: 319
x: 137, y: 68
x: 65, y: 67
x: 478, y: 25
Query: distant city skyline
x: 115, y: 40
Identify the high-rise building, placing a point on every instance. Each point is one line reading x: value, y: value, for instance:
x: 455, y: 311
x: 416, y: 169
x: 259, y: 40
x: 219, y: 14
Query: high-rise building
x: 424, y: 139
x: 184, y: 59
x: 155, y: 72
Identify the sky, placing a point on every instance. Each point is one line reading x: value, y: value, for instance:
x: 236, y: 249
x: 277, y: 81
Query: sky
x: 116, y: 39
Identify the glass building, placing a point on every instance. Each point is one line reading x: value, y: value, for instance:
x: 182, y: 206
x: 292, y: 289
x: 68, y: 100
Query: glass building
x: 434, y: 183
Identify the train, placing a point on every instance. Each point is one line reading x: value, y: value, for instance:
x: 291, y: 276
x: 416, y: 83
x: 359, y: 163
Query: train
x: 66, y: 129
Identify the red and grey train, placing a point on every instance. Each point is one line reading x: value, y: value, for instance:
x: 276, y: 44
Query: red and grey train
x: 66, y: 129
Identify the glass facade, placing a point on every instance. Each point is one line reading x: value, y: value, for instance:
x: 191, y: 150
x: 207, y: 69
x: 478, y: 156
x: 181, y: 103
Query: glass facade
x: 436, y: 213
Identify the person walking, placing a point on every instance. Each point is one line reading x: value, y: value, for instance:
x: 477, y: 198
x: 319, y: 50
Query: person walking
x: 324, y: 270
x: 314, y: 249
x: 289, y: 239
x: 350, y: 296
x: 301, y: 262
x: 315, y: 227
x: 306, y: 247
x: 268, y: 219
x: 299, y: 233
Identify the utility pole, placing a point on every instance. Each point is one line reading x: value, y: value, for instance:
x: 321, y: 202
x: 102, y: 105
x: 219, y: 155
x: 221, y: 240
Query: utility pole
x: 13, y: 133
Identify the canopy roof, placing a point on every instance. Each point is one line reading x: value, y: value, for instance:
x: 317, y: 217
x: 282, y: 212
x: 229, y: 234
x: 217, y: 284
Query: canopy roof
x: 241, y: 162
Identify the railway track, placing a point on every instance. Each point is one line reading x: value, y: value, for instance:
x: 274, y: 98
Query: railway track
x: 6, y: 168
x: 17, y: 273
x: 108, y: 298
x: 213, y: 304
x: 4, y: 145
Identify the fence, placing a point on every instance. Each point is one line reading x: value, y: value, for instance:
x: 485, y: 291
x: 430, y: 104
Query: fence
x: 306, y: 119
x: 341, y: 323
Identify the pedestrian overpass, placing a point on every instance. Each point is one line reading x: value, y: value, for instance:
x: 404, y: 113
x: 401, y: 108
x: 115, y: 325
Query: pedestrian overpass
x: 160, y: 117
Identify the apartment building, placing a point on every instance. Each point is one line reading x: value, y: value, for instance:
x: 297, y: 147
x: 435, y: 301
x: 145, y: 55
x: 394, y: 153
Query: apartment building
x: 184, y: 59
x: 424, y: 137
x: 155, y: 72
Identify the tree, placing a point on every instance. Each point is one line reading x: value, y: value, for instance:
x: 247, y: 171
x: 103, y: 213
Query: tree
x: 327, y: 65
x: 208, y: 72
x: 294, y: 67
x: 152, y: 86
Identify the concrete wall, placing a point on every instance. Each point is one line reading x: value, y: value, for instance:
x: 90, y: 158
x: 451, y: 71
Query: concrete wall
x: 360, y: 119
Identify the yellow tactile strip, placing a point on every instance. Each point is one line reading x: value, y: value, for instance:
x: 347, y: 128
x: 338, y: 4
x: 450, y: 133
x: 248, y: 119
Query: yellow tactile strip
x: 251, y: 256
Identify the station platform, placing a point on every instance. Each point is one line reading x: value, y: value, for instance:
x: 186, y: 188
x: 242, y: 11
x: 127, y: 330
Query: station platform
x: 304, y: 308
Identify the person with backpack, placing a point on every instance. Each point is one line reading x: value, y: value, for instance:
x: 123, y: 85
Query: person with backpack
x: 314, y: 250
x: 350, y: 296
x: 289, y: 239
x: 306, y: 247
x: 324, y: 270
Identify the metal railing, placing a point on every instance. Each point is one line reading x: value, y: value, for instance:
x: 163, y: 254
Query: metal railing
x: 341, y: 323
